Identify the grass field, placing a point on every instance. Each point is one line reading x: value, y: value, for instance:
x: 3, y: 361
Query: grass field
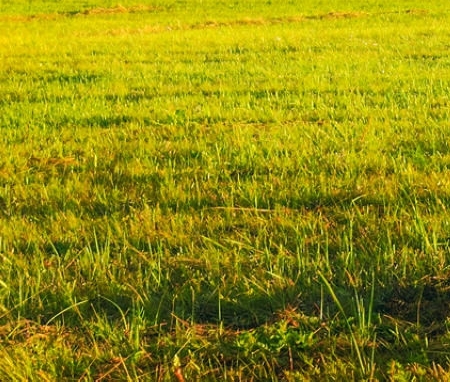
x: 224, y: 190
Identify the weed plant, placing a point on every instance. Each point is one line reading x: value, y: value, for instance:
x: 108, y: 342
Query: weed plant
x: 209, y: 190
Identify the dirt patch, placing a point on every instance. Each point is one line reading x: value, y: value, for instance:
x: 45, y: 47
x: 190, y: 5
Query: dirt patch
x: 119, y: 9
x: 337, y: 15
x: 87, y: 12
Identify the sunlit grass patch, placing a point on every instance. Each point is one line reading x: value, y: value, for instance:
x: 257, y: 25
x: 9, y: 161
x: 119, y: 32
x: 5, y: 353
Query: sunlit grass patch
x: 233, y: 191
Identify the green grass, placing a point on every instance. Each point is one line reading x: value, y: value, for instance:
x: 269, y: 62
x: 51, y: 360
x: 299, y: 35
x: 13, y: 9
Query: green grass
x: 209, y: 190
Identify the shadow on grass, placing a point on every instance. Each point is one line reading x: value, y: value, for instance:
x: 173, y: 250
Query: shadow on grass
x: 425, y: 304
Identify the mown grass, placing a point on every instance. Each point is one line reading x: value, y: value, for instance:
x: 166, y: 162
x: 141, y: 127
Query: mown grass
x: 240, y: 191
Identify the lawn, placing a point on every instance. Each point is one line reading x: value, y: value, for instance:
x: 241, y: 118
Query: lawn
x: 211, y: 190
